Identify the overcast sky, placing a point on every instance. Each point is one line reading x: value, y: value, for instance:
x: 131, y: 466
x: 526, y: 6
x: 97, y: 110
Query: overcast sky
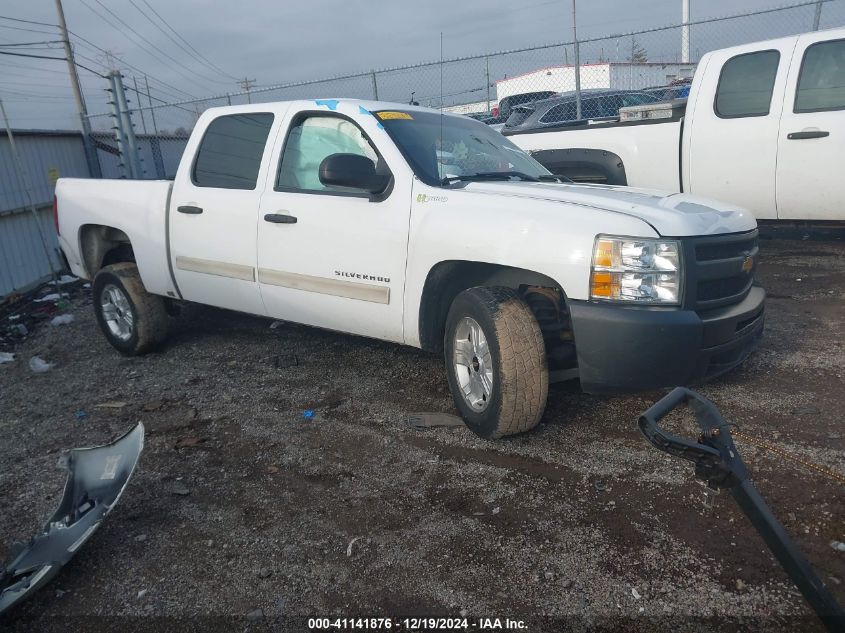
x: 276, y: 42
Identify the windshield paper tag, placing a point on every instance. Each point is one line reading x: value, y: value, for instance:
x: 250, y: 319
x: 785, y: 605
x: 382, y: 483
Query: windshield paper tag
x: 385, y: 116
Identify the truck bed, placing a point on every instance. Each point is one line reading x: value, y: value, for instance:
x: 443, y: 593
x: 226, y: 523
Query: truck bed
x: 137, y: 207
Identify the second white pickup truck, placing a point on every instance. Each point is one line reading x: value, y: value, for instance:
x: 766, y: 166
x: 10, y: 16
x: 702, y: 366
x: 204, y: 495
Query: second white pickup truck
x: 432, y: 230
x: 763, y: 128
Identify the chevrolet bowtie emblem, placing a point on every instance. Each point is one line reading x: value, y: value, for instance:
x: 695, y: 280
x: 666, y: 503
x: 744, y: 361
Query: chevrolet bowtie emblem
x: 747, y: 264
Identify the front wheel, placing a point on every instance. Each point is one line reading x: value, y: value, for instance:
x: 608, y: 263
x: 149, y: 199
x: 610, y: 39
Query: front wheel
x: 496, y: 362
x: 133, y: 320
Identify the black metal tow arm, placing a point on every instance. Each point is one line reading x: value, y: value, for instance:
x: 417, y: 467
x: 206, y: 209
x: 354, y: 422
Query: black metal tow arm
x: 718, y: 463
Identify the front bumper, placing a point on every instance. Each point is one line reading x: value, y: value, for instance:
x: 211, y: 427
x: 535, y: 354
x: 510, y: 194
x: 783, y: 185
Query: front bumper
x: 622, y: 348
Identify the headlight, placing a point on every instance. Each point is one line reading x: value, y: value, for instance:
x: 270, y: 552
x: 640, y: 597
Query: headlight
x: 633, y: 270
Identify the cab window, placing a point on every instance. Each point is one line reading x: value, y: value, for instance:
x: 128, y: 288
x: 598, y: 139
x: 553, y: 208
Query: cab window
x: 746, y: 85
x: 312, y: 139
x: 821, y: 83
x: 229, y: 155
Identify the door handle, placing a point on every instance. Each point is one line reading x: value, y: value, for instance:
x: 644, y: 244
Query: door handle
x: 796, y: 136
x: 279, y: 218
x: 189, y: 209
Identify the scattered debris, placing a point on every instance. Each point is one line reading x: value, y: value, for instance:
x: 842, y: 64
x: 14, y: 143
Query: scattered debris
x: 62, y: 319
x: 142, y: 593
x: 180, y: 489
x: 740, y: 584
x: 39, y: 366
x: 256, y: 614
x: 110, y: 404
x: 351, y: 543
x: 265, y: 572
x: 308, y: 414
x: 422, y: 421
x: 635, y: 593
x: 600, y: 485
x: 6, y: 357
x: 53, y: 296
x: 65, y: 279
x: 496, y: 510
x: 272, y: 469
x: 276, y: 324
x: 80, y: 415
x: 141, y: 538
x: 839, y: 546
x: 96, y: 479
x: 548, y: 575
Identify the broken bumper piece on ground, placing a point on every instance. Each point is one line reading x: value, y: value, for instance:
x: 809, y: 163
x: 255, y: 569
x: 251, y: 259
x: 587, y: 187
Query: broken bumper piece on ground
x: 96, y: 479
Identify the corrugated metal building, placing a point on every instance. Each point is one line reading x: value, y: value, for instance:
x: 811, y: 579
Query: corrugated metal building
x: 46, y: 156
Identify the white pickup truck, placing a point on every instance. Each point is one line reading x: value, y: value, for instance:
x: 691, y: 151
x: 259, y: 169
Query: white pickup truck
x: 431, y: 230
x: 763, y: 128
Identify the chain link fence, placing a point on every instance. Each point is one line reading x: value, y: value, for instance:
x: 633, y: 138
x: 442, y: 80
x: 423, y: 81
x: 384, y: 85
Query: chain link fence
x: 614, y: 70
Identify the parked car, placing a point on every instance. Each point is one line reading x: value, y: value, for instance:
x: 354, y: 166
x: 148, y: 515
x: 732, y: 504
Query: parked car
x: 501, y: 112
x: 562, y: 109
x: 763, y: 128
x: 427, y: 229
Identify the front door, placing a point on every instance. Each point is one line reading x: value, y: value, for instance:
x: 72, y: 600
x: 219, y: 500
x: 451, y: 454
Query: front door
x: 327, y: 256
x: 811, y: 143
x: 213, y: 213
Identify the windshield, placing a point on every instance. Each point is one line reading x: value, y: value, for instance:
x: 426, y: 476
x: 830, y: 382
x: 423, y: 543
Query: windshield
x: 443, y: 149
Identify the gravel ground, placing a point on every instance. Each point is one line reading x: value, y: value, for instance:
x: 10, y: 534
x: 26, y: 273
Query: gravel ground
x: 245, y: 514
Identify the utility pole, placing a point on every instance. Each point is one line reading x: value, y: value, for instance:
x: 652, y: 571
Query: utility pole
x: 246, y: 84
x: 487, y: 66
x: 818, y: 16
x: 90, y: 151
x: 152, y: 111
x: 685, y: 31
x: 26, y: 191
x: 140, y: 107
x: 375, y: 86
x: 577, y: 66
x: 131, y: 155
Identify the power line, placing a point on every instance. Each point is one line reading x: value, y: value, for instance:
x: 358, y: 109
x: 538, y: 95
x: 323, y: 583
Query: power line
x: 135, y: 36
x: 33, y: 43
x: 64, y: 59
x: 193, y: 52
x: 6, y: 17
x: 98, y: 49
x: 20, y: 28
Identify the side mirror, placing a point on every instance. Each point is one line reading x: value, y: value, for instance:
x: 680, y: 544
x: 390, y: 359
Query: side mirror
x: 353, y: 171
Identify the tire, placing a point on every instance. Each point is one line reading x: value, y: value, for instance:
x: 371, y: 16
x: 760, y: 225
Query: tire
x: 119, y: 293
x: 512, y: 364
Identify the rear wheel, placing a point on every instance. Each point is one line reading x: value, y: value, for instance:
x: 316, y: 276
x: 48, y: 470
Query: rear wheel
x: 132, y: 320
x: 496, y: 362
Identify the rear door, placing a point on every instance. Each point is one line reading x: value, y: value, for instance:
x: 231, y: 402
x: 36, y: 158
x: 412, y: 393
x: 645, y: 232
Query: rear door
x: 214, y: 209
x: 733, y: 134
x: 811, y: 143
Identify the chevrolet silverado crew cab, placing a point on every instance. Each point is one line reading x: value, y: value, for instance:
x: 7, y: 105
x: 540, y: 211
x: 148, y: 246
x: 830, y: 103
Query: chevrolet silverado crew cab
x: 763, y: 128
x: 431, y: 230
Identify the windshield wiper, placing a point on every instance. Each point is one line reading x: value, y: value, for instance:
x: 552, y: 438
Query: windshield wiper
x: 490, y: 175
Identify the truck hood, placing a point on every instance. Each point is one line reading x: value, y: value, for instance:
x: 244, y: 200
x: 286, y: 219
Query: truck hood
x: 671, y: 215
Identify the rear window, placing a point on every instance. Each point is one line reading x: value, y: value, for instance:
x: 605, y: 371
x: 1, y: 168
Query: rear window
x: 746, y: 84
x: 561, y: 112
x: 821, y: 84
x: 230, y: 152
